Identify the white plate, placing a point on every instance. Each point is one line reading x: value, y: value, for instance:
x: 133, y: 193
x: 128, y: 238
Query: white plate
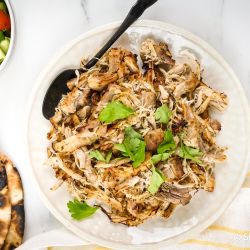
x: 205, y: 207
x: 12, y: 36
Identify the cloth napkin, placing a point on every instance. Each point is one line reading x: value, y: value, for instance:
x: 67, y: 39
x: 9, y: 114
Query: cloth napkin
x: 230, y: 231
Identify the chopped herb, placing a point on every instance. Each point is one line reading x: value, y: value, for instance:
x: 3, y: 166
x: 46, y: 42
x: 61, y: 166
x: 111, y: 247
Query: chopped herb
x: 80, y: 210
x: 190, y: 153
x: 115, y: 111
x: 168, y: 143
x: 108, y: 157
x: 160, y: 157
x: 99, y: 156
x: 131, y: 133
x: 156, y: 180
x: 133, y: 146
x: 139, y: 155
x: 121, y: 147
x: 163, y: 114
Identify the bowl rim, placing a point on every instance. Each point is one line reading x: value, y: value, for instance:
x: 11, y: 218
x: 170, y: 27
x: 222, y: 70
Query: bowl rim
x: 12, y: 37
x: 194, y: 231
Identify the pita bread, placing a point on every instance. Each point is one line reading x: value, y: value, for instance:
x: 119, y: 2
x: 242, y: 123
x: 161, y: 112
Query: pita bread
x: 16, y: 230
x: 5, y: 207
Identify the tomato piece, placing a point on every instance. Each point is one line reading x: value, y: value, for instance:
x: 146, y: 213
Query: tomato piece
x: 4, y: 21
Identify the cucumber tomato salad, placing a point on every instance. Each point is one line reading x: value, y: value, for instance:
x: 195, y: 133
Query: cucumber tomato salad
x: 5, y: 27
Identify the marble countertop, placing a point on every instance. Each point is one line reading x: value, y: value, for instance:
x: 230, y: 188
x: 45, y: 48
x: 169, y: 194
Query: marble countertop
x: 44, y: 26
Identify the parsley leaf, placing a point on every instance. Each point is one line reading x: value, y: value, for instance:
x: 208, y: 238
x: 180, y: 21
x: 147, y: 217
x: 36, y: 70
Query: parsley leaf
x: 80, y: 210
x: 156, y: 180
x: 99, y: 156
x: 131, y: 133
x: 121, y: 147
x: 168, y: 143
x: 160, y: 157
x: 139, y: 155
x: 190, y: 153
x: 133, y: 146
x: 108, y: 157
x: 163, y: 114
x: 115, y: 111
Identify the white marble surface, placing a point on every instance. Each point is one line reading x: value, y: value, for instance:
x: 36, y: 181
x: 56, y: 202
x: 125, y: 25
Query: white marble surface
x: 44, y: 26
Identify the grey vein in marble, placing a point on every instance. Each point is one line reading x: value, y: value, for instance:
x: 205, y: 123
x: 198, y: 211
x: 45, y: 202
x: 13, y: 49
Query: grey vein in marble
x: 85, y: 10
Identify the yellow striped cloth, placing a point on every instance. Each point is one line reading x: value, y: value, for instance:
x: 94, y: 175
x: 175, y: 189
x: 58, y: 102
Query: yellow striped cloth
x: 231, y: 231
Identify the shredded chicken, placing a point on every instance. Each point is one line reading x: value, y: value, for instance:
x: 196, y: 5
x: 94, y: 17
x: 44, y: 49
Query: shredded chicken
x: 119, y: 188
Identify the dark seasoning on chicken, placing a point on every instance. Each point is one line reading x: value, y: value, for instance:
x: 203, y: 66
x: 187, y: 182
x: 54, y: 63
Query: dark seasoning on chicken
x: 136, y: 142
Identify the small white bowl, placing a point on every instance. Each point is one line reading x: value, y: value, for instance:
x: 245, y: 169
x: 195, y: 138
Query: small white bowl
x: 12, y: 36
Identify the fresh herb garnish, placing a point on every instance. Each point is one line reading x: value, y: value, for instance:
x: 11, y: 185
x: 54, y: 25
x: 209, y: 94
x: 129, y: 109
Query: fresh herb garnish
x: 99, y: 156
x: 115, y: 111
x: 133, y: 146
x: 168, y: 143
x: 156, y: 180
x: 80, y: 210
x: 190, y: 153
x: 163, y: 114
x: 108, y: 157
x: 160, y: 157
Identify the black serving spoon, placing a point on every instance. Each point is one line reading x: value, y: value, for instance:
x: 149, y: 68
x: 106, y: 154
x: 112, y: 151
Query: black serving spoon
x: 59, y: 86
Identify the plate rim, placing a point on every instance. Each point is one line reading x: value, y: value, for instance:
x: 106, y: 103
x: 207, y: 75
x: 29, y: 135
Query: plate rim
x: 197, y: 228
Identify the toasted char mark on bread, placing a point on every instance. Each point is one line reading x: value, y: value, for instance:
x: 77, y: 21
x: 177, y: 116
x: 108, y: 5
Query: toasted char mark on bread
x: 3, y: 177
x: 16, y: 230
x: 5, y: 207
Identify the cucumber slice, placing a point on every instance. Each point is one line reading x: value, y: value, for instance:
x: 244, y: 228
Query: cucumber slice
x: 3, y: 7
x: 1, y: 36
x: 2, y: 56
x: 4, y: 45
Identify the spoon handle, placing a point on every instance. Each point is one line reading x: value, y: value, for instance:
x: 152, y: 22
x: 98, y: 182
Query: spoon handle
x: 135, y: 12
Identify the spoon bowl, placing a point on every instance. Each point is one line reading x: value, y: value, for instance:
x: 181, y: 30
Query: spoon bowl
x: 59, y: 86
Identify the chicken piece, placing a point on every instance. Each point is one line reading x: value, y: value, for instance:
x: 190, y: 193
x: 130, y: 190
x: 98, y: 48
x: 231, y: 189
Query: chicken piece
x: 114, y: 59
x: 123, y: 63
x: 177, y: 127
x: 205, y: 97
x: 215, y: 125
x: 176, y: 166
x: 72, y: 83
x: 57, y: 118
x: 174, y: 195
x: 127, y: 99
x: 131, y: 63
x: 84, y: 112
x: 148, y: 99
x: 83, y: 162
x: 216, y: 155
x: 95, y: 98
x: 187, y: 57
x: 106, y: 98
x: 74, y: 142
x: 172, y: 168
x: 98, y: 81
x: 153, y: 139
x: 210, y: 183
x: 80, y: 81
x: 164, y: 93
x: 149, y: 75
x: 168, y: 211
x: 73, y: 100
x: 181, y: 80
x: 158, y: 53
